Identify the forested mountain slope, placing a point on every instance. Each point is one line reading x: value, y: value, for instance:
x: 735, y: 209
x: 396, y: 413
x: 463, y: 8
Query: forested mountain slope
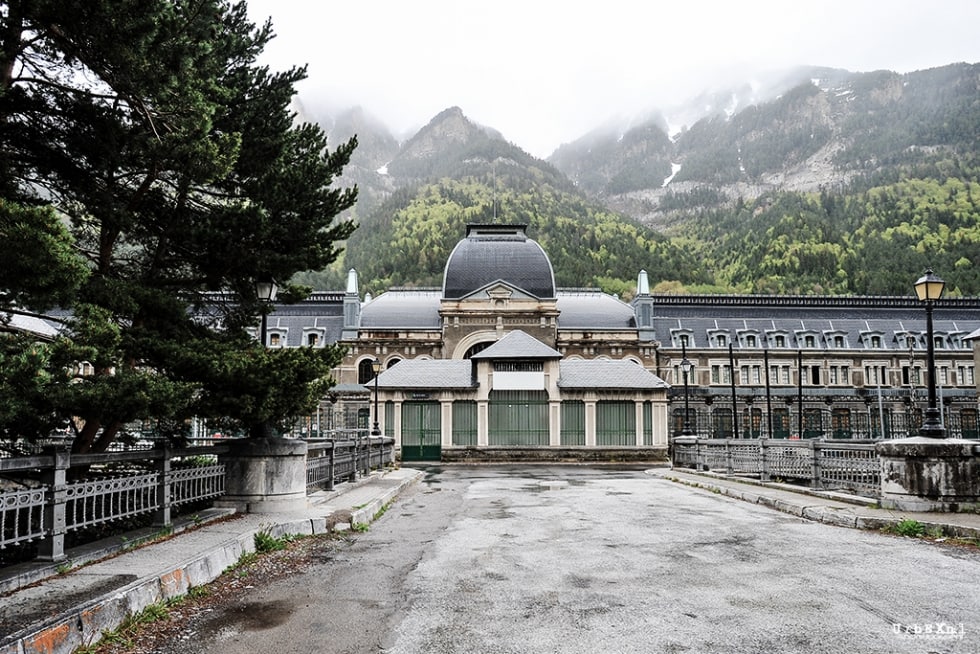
x: 837, y: 183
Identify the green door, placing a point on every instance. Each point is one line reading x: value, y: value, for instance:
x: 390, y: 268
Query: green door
x: 615, y: 423
x: 421, y: 431
x: 518, y: 418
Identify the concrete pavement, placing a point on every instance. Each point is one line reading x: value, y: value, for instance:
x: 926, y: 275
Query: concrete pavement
x: 51, y: 610
x: 55, y: 611
x: 829, y: 507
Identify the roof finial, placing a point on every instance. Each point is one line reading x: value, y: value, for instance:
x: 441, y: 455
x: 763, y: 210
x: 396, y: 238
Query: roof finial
x: 642, y: 284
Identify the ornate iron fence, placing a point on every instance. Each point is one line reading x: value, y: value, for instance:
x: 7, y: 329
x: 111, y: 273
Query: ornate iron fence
x: 824, y: 464
x: 330, y: 460
x: 110, y: 487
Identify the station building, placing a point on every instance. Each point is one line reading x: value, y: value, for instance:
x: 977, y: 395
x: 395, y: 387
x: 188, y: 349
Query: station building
x: 499, y: 362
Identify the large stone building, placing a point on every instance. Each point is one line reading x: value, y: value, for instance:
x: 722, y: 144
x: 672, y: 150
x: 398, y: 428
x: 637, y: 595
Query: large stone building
x: 500, y: 360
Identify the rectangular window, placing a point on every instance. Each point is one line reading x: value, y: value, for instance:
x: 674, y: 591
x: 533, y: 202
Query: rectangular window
x: 518, y: 366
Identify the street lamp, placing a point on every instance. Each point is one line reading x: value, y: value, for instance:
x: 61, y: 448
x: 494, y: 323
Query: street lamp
x: 376, y: 430
x: 266, y: 290
x: 929, y: 288
x: 686, y: 368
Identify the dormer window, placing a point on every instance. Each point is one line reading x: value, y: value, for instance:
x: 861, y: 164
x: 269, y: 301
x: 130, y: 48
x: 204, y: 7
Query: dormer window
x: 777, y: 339
x: 313, y: 337
x: 748, y: 339
x: 873, y: 340
x: 835, y: 339
x: 807, y: 339
x: 718, y: 338
x: 682, y: 338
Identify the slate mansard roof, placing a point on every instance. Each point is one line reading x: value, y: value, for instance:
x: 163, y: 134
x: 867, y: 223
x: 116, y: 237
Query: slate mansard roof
x: 419, y: 309
x: 490, y: 253
x: 856, y: 319
x: 321, y: 314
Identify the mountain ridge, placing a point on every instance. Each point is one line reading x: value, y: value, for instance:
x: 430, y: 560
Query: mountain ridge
x: 824, y: 132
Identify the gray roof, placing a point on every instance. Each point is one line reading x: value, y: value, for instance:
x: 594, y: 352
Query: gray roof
x: 607, y: 373
x: 593, y: 309
x: 19, y: 322
x: 498, y: 252
x: 854, y: 318
x: 518, y: 345
x: 321, y: 314
x: 428, y: 373
x: 402, y: 308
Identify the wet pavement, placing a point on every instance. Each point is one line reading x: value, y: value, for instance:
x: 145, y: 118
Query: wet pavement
x: 604, y: 559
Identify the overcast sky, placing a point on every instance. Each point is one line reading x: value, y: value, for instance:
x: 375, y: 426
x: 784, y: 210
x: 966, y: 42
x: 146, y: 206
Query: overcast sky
x: 546, y: 72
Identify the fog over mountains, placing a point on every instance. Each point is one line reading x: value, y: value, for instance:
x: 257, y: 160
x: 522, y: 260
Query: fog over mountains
x: 803, y: 131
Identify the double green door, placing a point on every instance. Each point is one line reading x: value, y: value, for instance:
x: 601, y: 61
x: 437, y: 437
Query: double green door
x: 421, y: 431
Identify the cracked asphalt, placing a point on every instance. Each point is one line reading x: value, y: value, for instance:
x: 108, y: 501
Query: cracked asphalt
x: 596, y: 559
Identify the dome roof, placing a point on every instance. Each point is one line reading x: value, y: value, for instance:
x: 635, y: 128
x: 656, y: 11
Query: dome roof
x: 498, y: 252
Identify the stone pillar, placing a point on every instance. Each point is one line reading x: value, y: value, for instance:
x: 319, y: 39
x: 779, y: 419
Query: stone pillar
x: 590, y: 421
x: 265, y: 475
x: 930, y: 474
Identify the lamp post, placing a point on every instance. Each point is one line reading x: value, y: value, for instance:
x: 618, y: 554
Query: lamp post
x: 376, y: 430
x: 686, y: 368
x: 266, y: 290
x: 929, y: 288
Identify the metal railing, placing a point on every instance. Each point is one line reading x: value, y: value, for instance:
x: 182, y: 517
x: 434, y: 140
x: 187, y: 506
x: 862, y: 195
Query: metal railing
x: 823, y: 464
x: 818, y: 422
x: 331, y: 460
x: 110, y: 487
x: 49, y: 495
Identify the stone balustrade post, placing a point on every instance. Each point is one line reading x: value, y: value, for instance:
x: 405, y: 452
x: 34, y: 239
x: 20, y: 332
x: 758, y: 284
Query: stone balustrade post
x: 52, y: 547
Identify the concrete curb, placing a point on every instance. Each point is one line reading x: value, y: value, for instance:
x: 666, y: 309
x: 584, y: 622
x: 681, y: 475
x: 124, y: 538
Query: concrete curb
x: 85, y: 624
x: 848, y: 516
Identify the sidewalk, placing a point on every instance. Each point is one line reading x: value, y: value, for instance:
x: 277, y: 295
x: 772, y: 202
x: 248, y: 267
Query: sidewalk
x: 44, y: 609
x: 829, y: 507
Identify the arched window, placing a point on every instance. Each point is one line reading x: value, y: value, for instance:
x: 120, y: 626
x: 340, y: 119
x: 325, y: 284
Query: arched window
x: 477, y: 348
x: 365, y: 371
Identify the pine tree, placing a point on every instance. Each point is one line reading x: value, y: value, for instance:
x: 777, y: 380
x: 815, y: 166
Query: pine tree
x: 174, y: 159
